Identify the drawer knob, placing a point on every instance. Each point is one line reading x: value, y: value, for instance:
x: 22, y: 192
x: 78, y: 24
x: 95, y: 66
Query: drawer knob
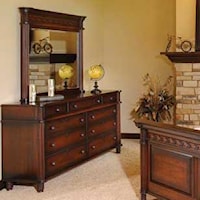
x: 93, y: 131
x: 114, y: 123
x: 93, y: 147
x: 82, y: 151
x: 111, y: 98
x: 98, y: 101
x: 57, y: 109
x: 82, y: 120
x: 82, y: 134
x: 114, y: 137
x: 53, y: 163
x: 92, y: 117
x: 75, y: 106
x: 52, y: 128
x: 53, y: 145
x: 114, y: 110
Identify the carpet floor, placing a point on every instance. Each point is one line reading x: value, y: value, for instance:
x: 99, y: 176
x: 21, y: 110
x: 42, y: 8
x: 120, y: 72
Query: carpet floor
x: 110, y: 176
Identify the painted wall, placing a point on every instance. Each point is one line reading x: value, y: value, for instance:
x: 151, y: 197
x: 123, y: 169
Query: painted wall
x: 125, y: 36
x: 185, y: 18
x: 135, y: 33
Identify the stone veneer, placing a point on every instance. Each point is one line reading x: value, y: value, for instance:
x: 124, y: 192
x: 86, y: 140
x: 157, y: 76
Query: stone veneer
x: 39, y: 75
x: 188, y: 95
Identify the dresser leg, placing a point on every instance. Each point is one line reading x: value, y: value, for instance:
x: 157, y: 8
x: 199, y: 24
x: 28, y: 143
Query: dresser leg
x: 2, y: 185
x: 40, y: 187
x: 143, y: 196
x: 118, y: 148
x: 9, y: 185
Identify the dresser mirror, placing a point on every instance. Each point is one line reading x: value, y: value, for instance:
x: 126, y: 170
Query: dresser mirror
x: 51, y: 50
x: 50, y: 41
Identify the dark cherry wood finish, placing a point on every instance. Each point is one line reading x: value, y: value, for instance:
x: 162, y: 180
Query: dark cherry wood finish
x: 197, y: 33
x: 35, y: 18
x: 130, y: 135
x: 45, y: 139
x: 170, y: 161
x: 182, y: 57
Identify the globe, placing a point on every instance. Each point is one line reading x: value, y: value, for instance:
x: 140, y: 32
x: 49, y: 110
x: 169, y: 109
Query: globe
x: 66, y: 71
x: 96, y: 72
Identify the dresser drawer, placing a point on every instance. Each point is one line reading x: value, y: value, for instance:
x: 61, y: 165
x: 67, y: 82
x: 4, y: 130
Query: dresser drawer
x: 58, y: 162
x: 110, y: 98
x: 99, y: 114
x: 102, y: 127
x: 53, y: 144
x: 64, y: 125
x: 85, y: 103
x: 55, y: 110
x: 102, y: 143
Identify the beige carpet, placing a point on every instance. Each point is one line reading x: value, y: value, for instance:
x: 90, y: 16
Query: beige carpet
x: 110, y: 176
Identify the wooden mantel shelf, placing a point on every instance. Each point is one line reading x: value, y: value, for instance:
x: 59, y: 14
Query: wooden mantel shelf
x: 182, y: 57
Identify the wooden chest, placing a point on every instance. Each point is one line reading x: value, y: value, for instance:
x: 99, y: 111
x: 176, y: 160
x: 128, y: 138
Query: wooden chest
x: 43, y: 140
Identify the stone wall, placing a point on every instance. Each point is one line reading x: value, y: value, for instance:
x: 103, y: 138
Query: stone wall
x: 188, y: 95
x: 39, y: 75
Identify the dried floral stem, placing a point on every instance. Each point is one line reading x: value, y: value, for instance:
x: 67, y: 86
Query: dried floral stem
x: 156, y: 102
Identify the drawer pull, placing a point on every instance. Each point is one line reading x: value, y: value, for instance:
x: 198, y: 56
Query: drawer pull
x: 82, y: 134
x: 57, y: 109
x: 52, y: 128
x: 114, y: 110
x: 53, y: 145
x: 114, y: 123
x: 82, y: 120
x: 53, y: 164
x: 82, y: 151
x: 93, y: 131
x: 93, y: 147
x: 98, y: 101
x: 111, y: 98
x: 75, y: 106
x: 92, y: 117
x: 114, y: 137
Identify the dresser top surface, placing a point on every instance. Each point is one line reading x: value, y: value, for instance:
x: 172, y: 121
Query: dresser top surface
x: 66, y: 99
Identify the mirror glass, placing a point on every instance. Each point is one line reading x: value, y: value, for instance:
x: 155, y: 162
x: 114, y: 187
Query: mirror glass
x: 49, y: 51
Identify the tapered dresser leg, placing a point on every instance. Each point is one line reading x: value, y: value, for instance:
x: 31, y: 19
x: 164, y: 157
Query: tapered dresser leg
x: 143, y: 196
x: 40, y: 187
x: 9, y: 185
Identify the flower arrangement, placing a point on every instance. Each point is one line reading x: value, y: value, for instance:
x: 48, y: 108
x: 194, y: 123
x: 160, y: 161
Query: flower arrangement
x: 156, y: 103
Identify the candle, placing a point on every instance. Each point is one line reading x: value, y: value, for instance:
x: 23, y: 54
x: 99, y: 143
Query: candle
x: 32, y: 93
x: 50, y: 87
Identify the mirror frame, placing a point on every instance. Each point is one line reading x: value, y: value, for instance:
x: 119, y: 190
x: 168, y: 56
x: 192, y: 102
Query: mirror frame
x: 35, y: 18
x: 197, y: 36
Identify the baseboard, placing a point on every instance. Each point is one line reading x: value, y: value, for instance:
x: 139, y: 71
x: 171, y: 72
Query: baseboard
x: 2, y: 185
x: 130, y: 135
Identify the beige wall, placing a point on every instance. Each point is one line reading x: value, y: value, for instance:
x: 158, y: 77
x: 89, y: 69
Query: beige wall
x: 125, y: 36
x: 135, y: 32
x: 185, y: 18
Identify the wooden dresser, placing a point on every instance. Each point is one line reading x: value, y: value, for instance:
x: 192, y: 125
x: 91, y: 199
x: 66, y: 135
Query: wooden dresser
x: 44, y: 139
x: 170, y: 161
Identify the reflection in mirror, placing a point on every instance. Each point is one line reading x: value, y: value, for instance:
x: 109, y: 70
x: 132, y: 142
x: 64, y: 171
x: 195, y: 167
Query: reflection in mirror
x: 50, y: 50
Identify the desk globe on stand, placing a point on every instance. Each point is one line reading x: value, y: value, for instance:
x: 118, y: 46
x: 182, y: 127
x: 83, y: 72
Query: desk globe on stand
x: 96, y: 73
x: 66, y: 72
